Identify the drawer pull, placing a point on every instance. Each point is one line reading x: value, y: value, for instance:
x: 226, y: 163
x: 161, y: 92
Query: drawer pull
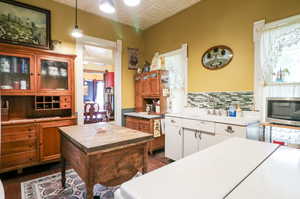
x: 229, y: 129
x: 173, y: 121
x: 29, y: 129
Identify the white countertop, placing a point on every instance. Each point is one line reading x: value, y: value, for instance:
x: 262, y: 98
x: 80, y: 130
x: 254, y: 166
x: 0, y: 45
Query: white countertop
x: 277, y: 178
x: 1, y: 190
x: 243, y: 121
x: 143, y: 115
x: 209, y: 174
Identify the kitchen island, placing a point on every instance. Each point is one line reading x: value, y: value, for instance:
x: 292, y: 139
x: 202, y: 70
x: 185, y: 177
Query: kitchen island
x: 103, y: 153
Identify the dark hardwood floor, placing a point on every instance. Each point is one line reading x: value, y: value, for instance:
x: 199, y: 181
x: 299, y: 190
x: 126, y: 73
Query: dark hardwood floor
x: 12, y: 180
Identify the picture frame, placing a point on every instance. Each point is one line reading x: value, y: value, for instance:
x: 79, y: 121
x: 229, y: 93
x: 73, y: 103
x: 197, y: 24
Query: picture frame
x: 217, y: 57
x: 133, y: 58
x: 26, y: 25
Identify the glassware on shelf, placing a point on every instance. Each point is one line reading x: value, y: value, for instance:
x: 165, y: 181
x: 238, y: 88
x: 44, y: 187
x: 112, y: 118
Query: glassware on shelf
x: 14, y: 72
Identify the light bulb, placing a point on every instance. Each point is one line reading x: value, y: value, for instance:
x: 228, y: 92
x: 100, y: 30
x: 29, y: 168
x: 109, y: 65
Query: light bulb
x: 132, y: 3
x: 107, y: 7
x: 77, y: 33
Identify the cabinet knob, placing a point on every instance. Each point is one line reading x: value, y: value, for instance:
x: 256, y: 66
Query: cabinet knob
x: 229, y: 129
x: 31, y: 74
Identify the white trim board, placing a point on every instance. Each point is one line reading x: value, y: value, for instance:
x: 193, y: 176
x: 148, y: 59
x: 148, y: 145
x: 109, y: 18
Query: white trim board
x: 116, y: 46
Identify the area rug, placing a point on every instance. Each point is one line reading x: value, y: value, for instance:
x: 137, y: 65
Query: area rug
x: 49, y: 187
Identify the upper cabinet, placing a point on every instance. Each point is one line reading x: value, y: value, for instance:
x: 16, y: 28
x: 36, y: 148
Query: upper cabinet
x: 54, y: 75
x: 29, y: 71
x: 17, y: 73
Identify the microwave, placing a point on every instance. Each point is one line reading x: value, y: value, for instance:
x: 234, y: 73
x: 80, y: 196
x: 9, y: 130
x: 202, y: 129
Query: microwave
x: 283, y: 111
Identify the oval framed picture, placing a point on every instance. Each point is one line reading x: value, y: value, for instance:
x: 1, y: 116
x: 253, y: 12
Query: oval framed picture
x: 217, y: 57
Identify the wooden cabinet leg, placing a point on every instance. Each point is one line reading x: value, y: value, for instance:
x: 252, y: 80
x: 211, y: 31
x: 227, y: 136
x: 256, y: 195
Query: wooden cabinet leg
x: 145, y: 159
x: 89, y: 191
x: 63, y: 173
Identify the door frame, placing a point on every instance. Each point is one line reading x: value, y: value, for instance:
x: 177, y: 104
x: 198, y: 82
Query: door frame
x: 116, y: 46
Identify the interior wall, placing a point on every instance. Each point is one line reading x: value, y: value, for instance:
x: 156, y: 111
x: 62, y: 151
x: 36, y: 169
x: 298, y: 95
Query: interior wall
x: 215, y: 22
x: 62, y: 23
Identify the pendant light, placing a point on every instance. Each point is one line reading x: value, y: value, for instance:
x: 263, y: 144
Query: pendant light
x: 132, y: 3
x: 77, y: 33
x: 107, y: 6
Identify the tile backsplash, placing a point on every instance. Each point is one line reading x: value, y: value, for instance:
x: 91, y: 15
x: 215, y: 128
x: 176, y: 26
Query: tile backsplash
x: 221, y: 100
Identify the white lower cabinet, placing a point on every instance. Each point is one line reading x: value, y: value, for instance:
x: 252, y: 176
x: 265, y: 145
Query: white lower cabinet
x: 194, y: 141
x: 186, y: 136
x: 173, y: 140
x: 190, y: 142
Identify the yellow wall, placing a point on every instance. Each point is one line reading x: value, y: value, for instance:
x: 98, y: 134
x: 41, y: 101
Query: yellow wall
x: 216, y: 22
x: 95, y: 26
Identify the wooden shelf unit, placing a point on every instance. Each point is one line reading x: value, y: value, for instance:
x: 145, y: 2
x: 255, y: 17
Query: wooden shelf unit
x: 38, y: 84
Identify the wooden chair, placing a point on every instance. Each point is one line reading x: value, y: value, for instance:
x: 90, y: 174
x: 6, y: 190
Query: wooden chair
x: 93, y: 114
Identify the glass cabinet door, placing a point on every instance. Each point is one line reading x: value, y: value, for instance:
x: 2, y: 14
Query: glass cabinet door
x: 15, y: 73
x: 54, y: 75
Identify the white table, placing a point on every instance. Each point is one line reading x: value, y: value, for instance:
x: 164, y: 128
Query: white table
x: 277, y: 178
x: 209, y: 174
x: 1, y: 190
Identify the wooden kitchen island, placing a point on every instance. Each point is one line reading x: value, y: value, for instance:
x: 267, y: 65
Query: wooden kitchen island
x: 103, y: 153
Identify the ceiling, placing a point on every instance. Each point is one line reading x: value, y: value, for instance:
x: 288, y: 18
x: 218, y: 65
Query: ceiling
x: 97, y: 55
x: 148, y: 13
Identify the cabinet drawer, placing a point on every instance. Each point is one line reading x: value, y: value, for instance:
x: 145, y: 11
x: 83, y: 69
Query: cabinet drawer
x: 65, y: 105
x: 17, y: 147
x: 145, y: 126
x: 199, y: 125
x: 231, y: 130
x: 65, y: 99
x: 173, y: 121
x: 17, y: 159
x: 17, y: 133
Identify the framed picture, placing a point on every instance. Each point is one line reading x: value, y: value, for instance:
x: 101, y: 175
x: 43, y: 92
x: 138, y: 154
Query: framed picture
x: 217, y: 57
x: 133, y: 56
x: 23, y: 24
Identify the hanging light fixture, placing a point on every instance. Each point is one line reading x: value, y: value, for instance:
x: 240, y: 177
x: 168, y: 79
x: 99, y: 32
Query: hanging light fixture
x: 77, y: 33
x: 107, y: 6
x: 132, y: 3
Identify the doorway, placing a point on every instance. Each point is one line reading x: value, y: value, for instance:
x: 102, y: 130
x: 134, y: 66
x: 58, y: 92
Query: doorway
x: 98, y: 83
x: 98, y: 66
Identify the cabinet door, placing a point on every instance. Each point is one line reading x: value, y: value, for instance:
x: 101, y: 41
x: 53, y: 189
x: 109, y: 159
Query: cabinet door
x: 54, y: 75
x: 190, y: 142
x: 173, y: 141
x: 154, y: 83
x: 50, y: 139
x: 138, y: 96
x: 207, y: 140
x: 17, y: 74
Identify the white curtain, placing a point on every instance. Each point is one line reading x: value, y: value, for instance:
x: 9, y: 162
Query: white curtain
x: 176, y: 70
x: 280, y: 59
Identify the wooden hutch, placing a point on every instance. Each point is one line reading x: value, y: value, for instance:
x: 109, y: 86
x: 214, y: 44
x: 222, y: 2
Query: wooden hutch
x: 149, y: 87
x: 37, y: 97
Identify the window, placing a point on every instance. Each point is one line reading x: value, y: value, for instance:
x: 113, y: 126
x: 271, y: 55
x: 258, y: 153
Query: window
x: 281, y: 53
x: 277, y: 60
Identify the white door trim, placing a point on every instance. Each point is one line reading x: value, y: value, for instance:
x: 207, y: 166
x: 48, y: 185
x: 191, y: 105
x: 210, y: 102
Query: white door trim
x: 116, y: 46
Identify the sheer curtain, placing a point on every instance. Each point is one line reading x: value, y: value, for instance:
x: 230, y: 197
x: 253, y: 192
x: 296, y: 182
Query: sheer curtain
x: 280, y: 59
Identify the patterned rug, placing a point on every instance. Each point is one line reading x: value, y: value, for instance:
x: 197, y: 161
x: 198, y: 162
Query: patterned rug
x: 49, y: 187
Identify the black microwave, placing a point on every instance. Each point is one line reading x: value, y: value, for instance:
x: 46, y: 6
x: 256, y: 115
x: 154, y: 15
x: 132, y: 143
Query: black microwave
x: 283, y: 111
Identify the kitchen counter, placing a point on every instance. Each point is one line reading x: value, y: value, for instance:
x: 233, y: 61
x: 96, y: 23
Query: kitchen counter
x: 1, y: 190
x: 103, y: 153
x: 211, y: 173
x: 143, y: 115
x: 102, y: 136
x: 243, y: 121
x: 35, y: 120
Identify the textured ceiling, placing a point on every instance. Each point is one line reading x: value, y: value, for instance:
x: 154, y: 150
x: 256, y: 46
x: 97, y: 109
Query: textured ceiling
x: 148, y: 13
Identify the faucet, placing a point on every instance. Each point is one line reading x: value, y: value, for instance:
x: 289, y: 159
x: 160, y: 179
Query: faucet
x: 212, y: 102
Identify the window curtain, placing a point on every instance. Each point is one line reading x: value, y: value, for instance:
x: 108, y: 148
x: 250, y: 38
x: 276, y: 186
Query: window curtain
x: 280, y: 59
x: 176, y: 75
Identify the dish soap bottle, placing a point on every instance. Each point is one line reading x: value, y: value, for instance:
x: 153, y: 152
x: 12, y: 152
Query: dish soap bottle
x: 232, y: 111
